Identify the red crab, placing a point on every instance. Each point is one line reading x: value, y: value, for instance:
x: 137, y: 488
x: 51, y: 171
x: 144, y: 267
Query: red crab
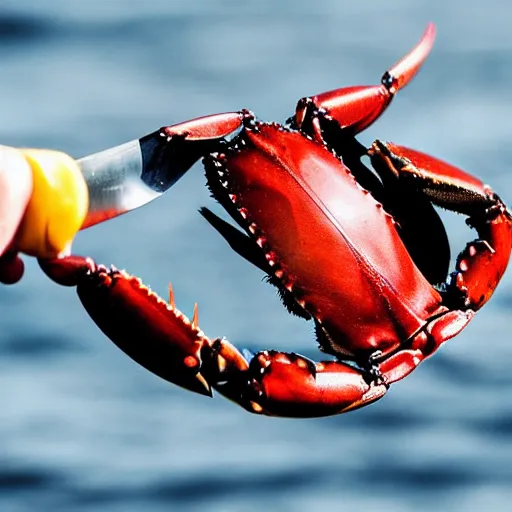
x: 363, y: 254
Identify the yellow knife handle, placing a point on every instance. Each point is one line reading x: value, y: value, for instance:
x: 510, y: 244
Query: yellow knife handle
x: 57, y: 207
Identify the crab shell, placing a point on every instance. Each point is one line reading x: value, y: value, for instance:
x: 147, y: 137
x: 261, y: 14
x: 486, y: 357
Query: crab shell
x: 326, y: 239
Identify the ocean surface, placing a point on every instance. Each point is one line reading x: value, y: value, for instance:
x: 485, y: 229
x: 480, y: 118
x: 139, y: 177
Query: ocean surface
x: 82, y: 427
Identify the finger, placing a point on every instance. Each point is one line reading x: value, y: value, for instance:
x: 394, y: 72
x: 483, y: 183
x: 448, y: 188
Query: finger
x: 15, y: 192
x: 11, y: 268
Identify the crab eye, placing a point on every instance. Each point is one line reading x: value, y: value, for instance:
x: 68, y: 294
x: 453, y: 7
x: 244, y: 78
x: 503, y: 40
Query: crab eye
x: 389, y: 82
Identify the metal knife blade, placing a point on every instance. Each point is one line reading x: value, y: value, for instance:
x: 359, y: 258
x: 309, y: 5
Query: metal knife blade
x: 128, y: 176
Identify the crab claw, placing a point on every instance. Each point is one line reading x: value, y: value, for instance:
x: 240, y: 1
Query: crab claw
x: 290, y: 385
x: 150, y: 330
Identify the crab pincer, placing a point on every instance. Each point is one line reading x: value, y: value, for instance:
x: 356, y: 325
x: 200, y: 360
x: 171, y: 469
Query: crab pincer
x: 150, y: 330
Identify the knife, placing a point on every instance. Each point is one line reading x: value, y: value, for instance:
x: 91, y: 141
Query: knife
x: 131, y: 175
x: 118, y: 180
x: 128, y: 176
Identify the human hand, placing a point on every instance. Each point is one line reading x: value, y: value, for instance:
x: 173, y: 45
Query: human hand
x: 43, y: 202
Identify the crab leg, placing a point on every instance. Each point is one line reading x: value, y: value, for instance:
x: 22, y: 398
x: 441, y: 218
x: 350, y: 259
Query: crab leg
x: 191, y: 140
x: 163, y: 340
x: 213, y: 128
x: 482, y: 263
x: 355, y: 108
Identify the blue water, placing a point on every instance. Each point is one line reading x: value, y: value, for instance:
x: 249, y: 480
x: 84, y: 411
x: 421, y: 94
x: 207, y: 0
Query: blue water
x: 82, y: 427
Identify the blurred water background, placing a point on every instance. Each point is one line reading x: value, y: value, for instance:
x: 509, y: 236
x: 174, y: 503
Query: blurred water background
x: 82, y: 427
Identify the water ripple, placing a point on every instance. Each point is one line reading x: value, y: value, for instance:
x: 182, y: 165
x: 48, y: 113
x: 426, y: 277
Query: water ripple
x: 21, y: 30
x: 36, y: 347
x: 24, y: 479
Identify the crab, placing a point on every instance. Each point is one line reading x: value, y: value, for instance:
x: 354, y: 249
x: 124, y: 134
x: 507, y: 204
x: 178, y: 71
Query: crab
x: 362, y: 253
